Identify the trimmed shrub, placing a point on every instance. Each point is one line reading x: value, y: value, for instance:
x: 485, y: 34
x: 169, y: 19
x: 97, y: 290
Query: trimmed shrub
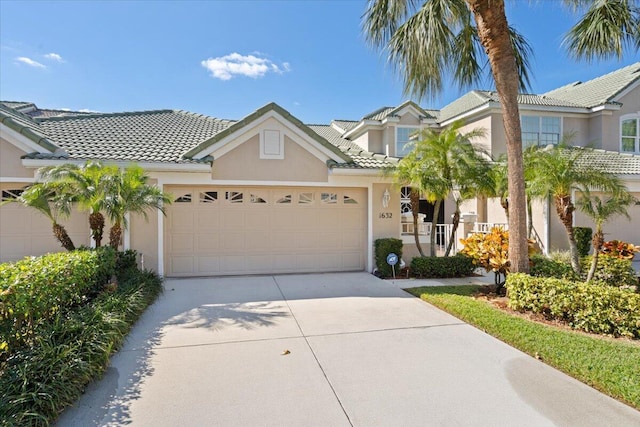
x: 583, y: 236
x: 34, y: 290
x: 384, y: 247
x: 611, y: 271
x: 592, y: 308
x: 455, y: 266
x: 70, y: 351
x: 541, y: 266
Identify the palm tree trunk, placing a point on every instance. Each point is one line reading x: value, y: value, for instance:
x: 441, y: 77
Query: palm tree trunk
x: 115, y: 234
x: 598, y: 240
x: 434, y: 227
x: 454, y: 228
x: 529, y: 218
x: 96, y: 222
x: 564, y: 209
x: 493, y: 31
x: 63, y: 237
x: 415, y: 211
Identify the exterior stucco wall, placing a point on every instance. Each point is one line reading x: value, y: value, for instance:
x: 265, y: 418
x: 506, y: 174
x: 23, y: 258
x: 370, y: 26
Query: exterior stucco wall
x: 409, y: 120
x: 484, y: 123
x: 144, y: 236
x: 577, y: 130
x: 495, y: 212
x: 619, y: 227
x: 376, y: 141
x: 10, y: 162
x: 244, y: 163
x: 558, y: 240
x: 363, y: 141
x: 630, y: 105
x: 386, y: 221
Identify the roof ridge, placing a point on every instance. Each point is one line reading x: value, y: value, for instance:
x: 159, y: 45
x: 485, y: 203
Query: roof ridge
x: 200, y: 115
x: 100, y: 115
x: 19, y: 113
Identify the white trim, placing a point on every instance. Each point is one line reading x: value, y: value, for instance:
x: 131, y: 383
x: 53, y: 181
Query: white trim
x: 235, y: 139
x: 12, y: 179
x: 160, y: 270
x: 362, y: 126
x: 480, y: 109
x: 369, y: 264
x: 127, y: 232
x: 360, y: 172
x: 630, y: 116
x: 20, y: 141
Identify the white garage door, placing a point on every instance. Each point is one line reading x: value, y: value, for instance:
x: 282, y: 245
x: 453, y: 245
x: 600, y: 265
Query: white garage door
x: 253, y: 230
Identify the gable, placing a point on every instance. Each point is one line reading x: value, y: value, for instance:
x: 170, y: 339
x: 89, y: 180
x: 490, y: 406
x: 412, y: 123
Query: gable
x: 11, y: 161
x: 244, y: 162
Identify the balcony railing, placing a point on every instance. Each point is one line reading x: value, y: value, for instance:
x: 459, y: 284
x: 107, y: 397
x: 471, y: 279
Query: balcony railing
x: 443, y: 231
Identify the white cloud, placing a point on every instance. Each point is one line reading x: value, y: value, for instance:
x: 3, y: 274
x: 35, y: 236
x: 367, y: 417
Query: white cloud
x: 30, y: 62
x: 228, y: 66
x: 54, y: 57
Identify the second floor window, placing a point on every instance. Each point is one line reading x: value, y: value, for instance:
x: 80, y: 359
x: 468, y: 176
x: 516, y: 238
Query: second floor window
x: 630, y: 134
x: 403, y: 136
x: 538, y: 130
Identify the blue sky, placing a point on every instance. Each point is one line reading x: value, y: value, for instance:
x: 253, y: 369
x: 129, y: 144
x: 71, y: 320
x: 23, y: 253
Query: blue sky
x: 228, y: 58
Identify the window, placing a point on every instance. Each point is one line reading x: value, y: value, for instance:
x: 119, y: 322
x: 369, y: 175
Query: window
x: 329, y: 198
x: 257, y: 199
x: 305, y: 198
x: 11, y: 194
x: 405, y: 200
x: 284, y: 200
x: 208, y: 196
x: 630, y: 133
x: 234, y: 196
x: 403, y: 137
x: 540, y: 130
x: 348, y: 200
x: 185, y: 198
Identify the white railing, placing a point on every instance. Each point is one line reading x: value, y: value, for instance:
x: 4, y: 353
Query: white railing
x: 485, y: 227
x: 443, y: 232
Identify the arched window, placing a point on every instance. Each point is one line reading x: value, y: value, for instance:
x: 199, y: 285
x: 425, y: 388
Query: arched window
x: 630, y: 133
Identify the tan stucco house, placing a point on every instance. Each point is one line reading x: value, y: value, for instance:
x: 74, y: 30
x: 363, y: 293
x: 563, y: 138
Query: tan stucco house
x: 270, y: 194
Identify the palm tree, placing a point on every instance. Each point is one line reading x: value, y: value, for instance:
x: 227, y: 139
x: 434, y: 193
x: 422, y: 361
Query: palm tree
x: 53, y: 201
x: 446, y: 160
x: 87, y: 181
x: 558, y: 175
x: 600, y: 210
x: 433, y: 38
x: 127, y: 191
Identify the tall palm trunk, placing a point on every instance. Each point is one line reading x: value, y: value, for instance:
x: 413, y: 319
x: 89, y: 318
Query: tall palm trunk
x: 565, y: 208
x: 454, y: 228
x: 63, y: 237
x: 493, y: 31
x: 96, y: 222
x: 414, y: 198
x: 529, y: 218
x: 597, y: 241
x: 115, y: 234
x: 434, y: 227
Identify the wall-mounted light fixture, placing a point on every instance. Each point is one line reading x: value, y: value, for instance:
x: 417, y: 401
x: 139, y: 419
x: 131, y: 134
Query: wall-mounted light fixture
x: 385, y: 198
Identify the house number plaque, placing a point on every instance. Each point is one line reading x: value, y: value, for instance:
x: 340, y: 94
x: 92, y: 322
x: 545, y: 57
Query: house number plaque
x: 385, y: 215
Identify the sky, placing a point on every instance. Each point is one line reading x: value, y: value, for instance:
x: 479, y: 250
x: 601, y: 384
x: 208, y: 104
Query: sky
x: 228, y: 58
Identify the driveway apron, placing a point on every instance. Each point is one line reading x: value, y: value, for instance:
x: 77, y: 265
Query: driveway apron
x: 344, y: 349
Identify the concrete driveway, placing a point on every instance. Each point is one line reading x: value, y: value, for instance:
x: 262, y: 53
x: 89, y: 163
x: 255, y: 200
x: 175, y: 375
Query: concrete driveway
x: 361, y: 352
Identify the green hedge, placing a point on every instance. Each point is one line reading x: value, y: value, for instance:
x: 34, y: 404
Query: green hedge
x: 455, y: 266
x: 611, y: 271
x: 541, y: 266
x: 583, y: 236
x: 34, y: 290
x: 592, y: 308
x: 384, y: 247
x: 40, y: 380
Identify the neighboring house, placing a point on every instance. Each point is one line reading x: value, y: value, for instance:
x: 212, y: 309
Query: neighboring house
x: 269, y: 194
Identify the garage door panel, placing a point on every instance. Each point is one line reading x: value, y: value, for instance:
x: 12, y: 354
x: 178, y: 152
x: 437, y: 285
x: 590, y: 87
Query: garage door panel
x: 182, y: 265
x: 206, y: 243
x: 277, y: 230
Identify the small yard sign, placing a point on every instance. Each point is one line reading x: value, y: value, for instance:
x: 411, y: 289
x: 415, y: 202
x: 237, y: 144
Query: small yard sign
x: 392, y: 260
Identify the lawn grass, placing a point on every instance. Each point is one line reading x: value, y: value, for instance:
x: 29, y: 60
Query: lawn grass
x: 611, y: 366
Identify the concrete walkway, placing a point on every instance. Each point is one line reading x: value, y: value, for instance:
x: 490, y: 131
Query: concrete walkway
x: 361, y: 352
